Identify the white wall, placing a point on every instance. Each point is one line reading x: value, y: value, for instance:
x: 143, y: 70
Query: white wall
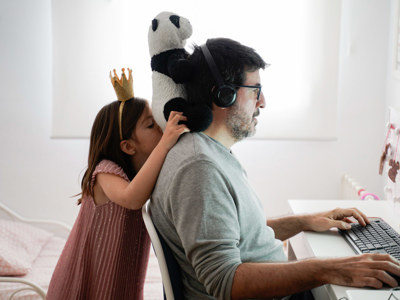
x: 393, y: 83
x: 312, y: 169
x: 38, y: 175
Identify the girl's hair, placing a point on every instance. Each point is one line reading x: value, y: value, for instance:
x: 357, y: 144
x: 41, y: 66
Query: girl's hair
x: 105, y: 139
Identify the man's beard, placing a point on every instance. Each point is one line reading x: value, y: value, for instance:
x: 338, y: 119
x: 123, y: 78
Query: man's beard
x: 241, y: 126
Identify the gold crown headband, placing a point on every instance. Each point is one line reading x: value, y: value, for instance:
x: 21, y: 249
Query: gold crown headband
x: 124, y: 89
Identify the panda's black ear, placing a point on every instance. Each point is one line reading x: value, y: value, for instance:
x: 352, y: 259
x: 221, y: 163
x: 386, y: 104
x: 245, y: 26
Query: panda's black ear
x: 175, y: 20
x: 154, y: 24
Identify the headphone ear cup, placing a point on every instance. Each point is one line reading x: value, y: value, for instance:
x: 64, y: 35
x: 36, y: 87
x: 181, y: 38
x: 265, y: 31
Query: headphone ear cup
x: 225, y: 95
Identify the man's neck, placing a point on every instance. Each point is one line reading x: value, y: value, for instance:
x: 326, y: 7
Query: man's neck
x: 220, y: 134
x: 218, y: 129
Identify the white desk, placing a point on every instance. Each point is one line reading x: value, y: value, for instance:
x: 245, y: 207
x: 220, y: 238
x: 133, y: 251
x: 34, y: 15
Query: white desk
x: 331, y: 244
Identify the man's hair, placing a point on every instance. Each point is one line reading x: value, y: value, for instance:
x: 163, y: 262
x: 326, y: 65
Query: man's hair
x: 232, y: 59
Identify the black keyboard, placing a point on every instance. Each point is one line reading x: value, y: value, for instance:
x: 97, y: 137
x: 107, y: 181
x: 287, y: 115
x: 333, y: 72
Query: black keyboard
x: 377, y: 237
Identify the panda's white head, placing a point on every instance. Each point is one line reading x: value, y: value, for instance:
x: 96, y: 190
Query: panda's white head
x: 168, y: 31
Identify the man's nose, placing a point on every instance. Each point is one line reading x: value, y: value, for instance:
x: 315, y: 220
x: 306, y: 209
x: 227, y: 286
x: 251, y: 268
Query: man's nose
x: 261, y: 100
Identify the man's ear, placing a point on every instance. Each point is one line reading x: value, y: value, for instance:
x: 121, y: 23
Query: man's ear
x: 128, y: 146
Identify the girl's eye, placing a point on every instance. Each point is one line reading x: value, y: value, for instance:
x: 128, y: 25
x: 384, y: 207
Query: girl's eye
x: 151, y: 125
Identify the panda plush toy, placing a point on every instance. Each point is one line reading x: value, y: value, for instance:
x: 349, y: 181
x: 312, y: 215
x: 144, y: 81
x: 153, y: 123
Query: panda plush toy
x: 167, y: 37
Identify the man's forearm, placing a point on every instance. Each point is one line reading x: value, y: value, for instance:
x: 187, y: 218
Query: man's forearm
x: 269, y: 280
x: 286, y: 227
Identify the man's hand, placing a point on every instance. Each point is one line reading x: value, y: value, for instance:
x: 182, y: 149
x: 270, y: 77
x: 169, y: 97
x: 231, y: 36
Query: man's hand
x: 366, y: 270
x: 286, y: 227
x: 339, y: 217
x: 270, y: 280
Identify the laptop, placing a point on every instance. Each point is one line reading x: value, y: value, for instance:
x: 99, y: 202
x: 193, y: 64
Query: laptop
x: 373, y: 294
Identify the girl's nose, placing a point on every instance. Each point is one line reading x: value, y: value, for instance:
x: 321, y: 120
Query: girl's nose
x: 159, y: 128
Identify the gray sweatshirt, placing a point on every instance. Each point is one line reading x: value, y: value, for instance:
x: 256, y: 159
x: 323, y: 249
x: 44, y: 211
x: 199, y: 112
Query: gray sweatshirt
x: 209, y: 215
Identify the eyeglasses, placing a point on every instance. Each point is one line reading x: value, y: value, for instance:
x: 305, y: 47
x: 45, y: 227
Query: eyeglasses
x: 258, y: 87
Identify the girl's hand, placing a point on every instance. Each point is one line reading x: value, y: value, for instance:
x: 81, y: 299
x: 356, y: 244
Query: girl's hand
x: 173, y: 130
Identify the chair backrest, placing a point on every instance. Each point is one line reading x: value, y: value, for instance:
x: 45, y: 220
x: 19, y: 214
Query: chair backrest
x: 170, y: 272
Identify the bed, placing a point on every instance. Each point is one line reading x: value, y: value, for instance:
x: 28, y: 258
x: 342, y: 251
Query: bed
x: 29, y: 251
x: 39, y: 244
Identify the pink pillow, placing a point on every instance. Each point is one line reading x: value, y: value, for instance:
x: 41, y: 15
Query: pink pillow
x: 20, y: 245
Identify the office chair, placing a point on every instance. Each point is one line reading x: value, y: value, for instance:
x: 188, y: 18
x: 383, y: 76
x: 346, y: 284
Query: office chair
x: 170, y: 272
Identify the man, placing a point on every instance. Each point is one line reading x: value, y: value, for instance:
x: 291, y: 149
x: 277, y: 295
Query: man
x: 211, y: 218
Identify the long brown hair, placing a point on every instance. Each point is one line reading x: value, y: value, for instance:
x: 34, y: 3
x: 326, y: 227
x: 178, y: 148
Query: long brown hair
x: 105, y: 139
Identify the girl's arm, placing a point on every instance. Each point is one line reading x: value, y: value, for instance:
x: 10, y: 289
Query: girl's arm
x: 134, y: 194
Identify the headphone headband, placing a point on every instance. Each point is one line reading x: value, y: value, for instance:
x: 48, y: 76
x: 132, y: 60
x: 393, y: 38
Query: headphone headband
x: 225, y: 93
x: 212, y: 65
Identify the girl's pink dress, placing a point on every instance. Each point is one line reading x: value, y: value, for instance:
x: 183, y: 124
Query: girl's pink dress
x: 106, y: 254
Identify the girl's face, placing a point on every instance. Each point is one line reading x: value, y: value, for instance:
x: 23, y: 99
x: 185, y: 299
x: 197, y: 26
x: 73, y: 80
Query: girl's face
x: 146, y: 135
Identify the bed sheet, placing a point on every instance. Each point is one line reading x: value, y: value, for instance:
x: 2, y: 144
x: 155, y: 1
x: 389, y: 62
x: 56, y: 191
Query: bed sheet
x: 42, y: 270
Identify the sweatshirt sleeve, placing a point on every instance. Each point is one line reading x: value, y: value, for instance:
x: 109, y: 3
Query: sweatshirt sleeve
x: 204, y: 213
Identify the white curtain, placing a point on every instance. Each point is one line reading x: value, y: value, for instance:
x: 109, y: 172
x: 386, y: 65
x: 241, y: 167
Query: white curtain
x: 299, y: 38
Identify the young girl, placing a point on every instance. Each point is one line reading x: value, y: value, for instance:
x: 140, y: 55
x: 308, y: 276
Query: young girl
x: 106, y: 254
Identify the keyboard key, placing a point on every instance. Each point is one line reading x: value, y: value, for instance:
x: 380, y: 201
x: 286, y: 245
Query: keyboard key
x: 353, y: 236
x: 377, y: 237
x: 370, y: 246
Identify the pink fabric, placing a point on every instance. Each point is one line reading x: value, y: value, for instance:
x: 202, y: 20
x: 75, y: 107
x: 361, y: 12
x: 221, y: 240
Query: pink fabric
x: 40, y: 273
x: 106, y: 254
x: 20, y: 245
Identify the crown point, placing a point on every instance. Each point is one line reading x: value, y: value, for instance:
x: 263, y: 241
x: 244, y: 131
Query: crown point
x: 123, y: 87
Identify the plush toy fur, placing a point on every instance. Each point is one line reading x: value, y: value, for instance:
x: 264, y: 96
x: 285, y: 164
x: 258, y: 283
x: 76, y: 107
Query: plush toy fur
x: 167, y: 37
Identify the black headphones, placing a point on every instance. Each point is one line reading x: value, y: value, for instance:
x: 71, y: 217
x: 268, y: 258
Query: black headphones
x: 224, y: 93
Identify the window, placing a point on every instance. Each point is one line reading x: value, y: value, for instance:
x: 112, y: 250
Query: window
x: 299, y: 38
